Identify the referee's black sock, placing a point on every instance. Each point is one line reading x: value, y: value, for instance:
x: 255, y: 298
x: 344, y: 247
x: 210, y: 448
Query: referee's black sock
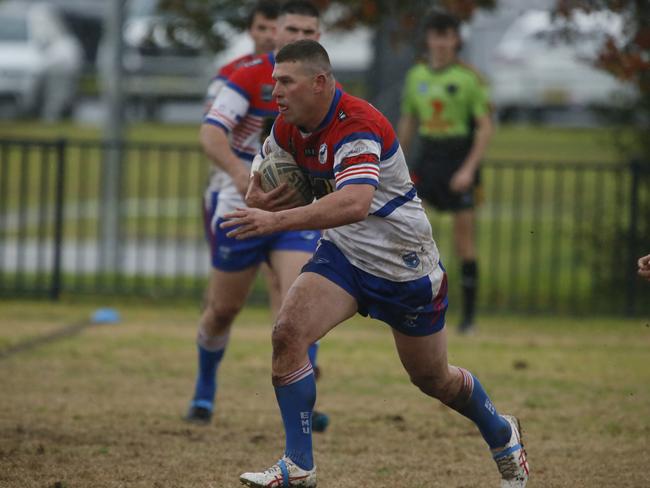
x: 469, y: 283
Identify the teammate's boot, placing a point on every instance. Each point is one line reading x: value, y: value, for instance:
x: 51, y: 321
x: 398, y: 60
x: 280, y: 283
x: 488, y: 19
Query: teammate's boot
x: 319, y: 421
x: 197, y: 414
x: 283, y: 473
x: 511, y: 459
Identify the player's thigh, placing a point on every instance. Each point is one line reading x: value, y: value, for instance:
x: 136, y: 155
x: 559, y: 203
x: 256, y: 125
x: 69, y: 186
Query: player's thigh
x: 423, y: 356
x: 286, y: 266
x: 314, y: 305
x: 228, y: 290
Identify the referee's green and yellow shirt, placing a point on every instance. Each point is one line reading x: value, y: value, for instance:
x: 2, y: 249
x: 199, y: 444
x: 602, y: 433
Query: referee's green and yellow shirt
x: 444, y: 101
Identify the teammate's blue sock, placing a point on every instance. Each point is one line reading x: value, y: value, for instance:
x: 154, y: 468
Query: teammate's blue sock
x: 474, y: 403
x: 210, y: 353
x: 313, y: 353
x: 296, y: 395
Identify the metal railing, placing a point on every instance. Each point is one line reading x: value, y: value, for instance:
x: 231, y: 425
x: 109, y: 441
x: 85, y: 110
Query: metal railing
x: 552, y: 237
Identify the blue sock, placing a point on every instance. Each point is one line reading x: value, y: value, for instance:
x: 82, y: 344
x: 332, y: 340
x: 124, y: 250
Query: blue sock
x: 206, y: 381
x: 479, y: 409
x: 313, y: 353
x: 296, y: 395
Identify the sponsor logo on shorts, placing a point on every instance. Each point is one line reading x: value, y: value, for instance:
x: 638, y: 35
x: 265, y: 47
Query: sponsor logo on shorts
x: 411, y: 259
x: 309, y: 235
x: 409, y: 320
x: 224, y: 252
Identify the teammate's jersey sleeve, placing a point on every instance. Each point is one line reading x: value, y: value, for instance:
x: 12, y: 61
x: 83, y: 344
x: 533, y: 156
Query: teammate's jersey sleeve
x: 233, y: 100
x: 221, y: 78
x: 228, y: 108
x: 357, y: 152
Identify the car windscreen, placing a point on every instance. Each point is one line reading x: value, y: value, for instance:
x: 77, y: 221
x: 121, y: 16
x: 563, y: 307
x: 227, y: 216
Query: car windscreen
x: 13, y: 29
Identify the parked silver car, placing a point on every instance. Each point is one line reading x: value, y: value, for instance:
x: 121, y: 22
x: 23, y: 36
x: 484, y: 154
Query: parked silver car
x: 40, y: 61
x: 535, y: 68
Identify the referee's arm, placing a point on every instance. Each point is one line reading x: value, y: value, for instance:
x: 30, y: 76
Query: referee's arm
x: 463, y: 179
x: 482, y: 136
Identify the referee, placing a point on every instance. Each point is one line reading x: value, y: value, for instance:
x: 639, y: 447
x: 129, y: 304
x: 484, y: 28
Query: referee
x: 447, y: 103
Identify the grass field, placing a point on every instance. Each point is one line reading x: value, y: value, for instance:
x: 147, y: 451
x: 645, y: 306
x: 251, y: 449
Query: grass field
x: 102, y: 408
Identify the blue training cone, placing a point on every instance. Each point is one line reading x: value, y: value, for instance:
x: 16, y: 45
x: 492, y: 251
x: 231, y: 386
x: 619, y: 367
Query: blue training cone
x: 319, y: 421
x: 105, y: 316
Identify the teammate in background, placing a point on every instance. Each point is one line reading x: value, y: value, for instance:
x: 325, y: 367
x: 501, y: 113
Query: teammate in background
x: 447, y: 103
x: 261, y: 24
x: 644, y: 267
x: 231, y: 136
x: 377, y: 257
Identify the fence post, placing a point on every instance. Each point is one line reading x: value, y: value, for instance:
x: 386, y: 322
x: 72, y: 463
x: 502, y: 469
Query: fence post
x: 57, y: 277
x: 635, y: 170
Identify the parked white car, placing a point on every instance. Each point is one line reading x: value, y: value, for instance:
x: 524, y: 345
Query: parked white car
x: 534, y: 68
x: 40, y: 61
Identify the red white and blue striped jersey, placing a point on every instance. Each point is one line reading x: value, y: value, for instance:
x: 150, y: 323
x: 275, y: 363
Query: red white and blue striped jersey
x: 218, y: 176
x: 221, y: 78
x: 245, y: 109
x: 355, y: 144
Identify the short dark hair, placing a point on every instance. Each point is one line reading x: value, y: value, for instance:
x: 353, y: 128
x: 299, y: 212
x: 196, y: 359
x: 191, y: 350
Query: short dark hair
x: 306, y: 51
x: 299, y: 7
x: 441, y: 21
x: 267, y: 8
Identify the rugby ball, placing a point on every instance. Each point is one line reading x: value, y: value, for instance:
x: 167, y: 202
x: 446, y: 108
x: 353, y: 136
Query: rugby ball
x: 279, y: 167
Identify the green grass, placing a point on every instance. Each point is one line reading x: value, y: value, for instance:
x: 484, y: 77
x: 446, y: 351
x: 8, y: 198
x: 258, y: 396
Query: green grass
x: 103, y: 408
x: 568, y: 145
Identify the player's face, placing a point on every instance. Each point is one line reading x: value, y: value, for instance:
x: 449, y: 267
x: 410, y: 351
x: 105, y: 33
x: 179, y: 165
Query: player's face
x: 293, y: 92
x: 443, y: 46
x: 294, y: 27
x: 262, y: 32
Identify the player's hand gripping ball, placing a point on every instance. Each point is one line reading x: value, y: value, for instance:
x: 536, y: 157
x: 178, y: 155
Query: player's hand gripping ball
x: 279, y: 167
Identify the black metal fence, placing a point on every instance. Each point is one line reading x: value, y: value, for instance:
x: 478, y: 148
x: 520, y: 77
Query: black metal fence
x: 91, y: 218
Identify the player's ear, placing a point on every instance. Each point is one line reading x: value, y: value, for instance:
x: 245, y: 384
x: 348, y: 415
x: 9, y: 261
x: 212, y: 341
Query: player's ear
x: 320, y: 80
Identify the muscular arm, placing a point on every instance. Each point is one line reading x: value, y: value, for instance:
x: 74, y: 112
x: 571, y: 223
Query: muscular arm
x: 406, y: 128
x: 214, y: 141
x: 345, y: 206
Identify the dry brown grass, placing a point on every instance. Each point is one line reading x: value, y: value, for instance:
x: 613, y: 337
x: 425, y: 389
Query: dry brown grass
x: 102, y: 409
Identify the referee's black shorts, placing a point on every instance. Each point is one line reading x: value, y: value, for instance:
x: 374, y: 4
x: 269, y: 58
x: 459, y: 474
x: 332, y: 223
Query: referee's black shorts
x: 439, y: 159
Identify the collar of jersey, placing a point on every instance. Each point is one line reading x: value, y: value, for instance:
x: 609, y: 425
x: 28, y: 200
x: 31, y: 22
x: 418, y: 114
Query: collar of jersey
x: 443, y: 69
x: 272, y: 58
x: 330, y: 113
